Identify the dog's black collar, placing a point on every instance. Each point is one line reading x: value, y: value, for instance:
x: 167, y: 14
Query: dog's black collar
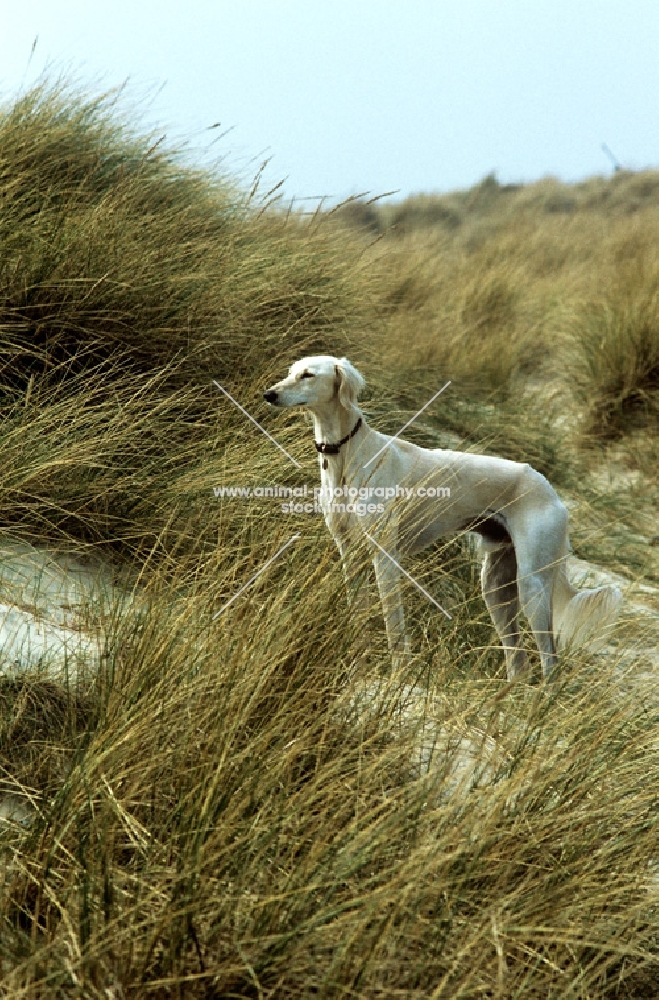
x: 334, y: 449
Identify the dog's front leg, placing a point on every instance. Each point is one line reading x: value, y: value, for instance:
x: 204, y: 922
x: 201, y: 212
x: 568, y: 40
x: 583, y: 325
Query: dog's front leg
x: 389, y: 579
x: 355, y: 572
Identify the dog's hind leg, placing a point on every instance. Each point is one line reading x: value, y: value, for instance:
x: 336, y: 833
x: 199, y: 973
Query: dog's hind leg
x: 499, y: 583
x: 540, y: 545
x: 535, y: 591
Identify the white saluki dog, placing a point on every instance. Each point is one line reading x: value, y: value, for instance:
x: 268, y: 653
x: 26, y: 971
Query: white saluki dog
x: 522, y: 522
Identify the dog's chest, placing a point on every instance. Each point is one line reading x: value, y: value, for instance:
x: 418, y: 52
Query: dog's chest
x: 331, y: 475
x: 333, y: 500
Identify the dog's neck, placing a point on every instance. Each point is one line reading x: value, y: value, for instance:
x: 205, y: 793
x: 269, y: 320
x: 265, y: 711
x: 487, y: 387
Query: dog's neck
x: 331, y: 425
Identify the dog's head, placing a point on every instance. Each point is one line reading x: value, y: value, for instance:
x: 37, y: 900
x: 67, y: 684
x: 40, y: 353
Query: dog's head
x: 316, y: 383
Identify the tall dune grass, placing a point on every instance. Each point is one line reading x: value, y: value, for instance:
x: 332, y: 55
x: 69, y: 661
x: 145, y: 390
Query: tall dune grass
x: 109, y: 242
x: 254, y: 804
x: 523, y: 280
x: 232, y: 825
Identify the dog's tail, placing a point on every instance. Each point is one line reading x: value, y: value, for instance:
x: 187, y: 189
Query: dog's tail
x: 583, y: 617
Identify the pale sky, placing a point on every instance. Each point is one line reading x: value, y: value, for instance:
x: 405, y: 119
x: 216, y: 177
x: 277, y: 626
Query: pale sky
x: 349, y: 96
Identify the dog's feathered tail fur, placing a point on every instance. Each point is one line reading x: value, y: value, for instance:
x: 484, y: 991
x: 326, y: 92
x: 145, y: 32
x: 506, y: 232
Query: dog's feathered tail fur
x: 583, y: 616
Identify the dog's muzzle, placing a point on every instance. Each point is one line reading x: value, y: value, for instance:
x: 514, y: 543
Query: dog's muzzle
x: 270, y: 396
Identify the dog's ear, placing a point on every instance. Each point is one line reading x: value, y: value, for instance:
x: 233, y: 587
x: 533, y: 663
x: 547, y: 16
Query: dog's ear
x: 350, y: 383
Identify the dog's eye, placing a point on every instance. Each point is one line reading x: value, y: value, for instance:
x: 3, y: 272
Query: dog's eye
x: 306, y: 375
